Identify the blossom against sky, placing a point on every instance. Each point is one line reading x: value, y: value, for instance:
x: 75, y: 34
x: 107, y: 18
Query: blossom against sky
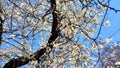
x: 114, y: 19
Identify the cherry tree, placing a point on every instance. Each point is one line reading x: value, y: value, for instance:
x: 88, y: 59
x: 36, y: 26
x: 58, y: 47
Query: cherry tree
x: 110, y: 56
x: 52, y: 33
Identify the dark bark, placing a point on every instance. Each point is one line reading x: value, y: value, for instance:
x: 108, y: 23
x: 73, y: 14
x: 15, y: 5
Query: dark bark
x: 14, y: 63
x: 17, y: 62
x: 55, y: 31
x: 1, y: 26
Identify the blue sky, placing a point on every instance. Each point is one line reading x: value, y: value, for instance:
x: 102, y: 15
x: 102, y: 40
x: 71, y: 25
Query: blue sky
x: 114, y: 18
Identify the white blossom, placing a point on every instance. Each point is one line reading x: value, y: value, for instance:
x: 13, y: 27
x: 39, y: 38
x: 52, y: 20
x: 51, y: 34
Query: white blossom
x: 107, y: 40
x: 23, y: 4
x: 106, y: 23
x: 12, y: 36
x: 94, y: 47
x: 100, y: 46
x: 117, y: 63
x: 30, y: 25
x: 34, y: 62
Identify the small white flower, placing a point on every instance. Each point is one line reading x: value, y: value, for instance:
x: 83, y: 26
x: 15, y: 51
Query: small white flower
x: 106, y: 23
x: 23, y: 4
x: 100, y: 46
x: 107, y: 40
x: 33, y: 62
x: 12, y: 36
x: 57, y: 2
x: 117, y: 63
x: 115, y: 44
x: 94, y: 47
x: 55, y: 44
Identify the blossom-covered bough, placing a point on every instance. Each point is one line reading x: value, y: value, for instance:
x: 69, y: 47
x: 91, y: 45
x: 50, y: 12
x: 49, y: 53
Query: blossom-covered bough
x: 53, y: 33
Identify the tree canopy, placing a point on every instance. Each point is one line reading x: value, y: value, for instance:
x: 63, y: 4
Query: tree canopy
x: 55, y: 33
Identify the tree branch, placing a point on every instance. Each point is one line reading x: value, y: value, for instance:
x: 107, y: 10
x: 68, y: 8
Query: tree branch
x: 108, y: 6
x: 17, y: 62
x: 1, y: 21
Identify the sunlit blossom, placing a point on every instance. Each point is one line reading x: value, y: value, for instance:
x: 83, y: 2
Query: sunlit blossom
x: 107, y: 40
x: 107, y: 23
